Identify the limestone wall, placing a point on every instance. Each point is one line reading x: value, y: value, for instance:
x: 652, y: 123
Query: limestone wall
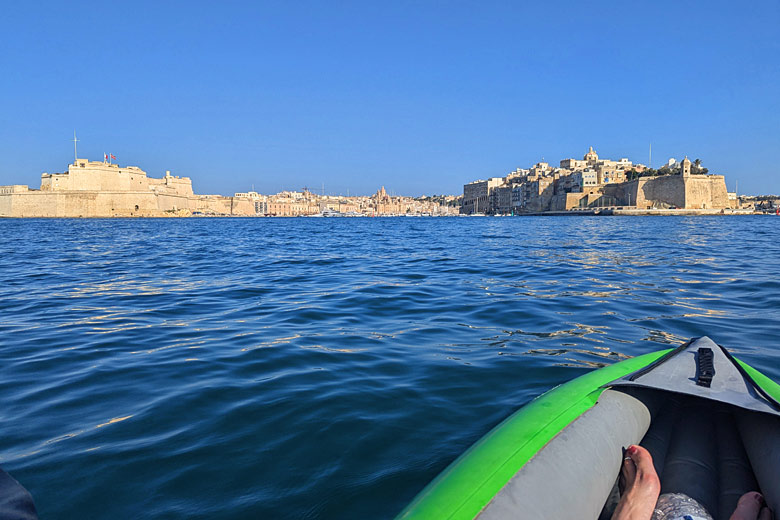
x: 175, y: 202
x: 668, y: 190
x: 14, y: 188
x: 694, y: 192
x: 66, y: 204
x: 706, y: 191
x: 217, y: 205
x: 5, y: 205
x: 242, y: 206
x: 86, y: 175
x: 566, y: 201
x: 171, y: 184
x: 96, y: 176
x: 79, y: 204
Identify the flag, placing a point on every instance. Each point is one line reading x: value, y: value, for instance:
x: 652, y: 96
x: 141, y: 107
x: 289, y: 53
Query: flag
x: 113, y: 156
x: 105, y: 157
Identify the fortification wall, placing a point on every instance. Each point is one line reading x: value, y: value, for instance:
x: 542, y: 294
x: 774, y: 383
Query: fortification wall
x: 5, y: 205
x: 660, y: 191
x: 80, y: 204
x: 242, y: 206
x: 97, y: 177
x: 214, y: 204
x: 174, y: 202
x: 169, y: 184
x: 566, y: 201
x: 99, y: 189
x: 706, y: 191
x: 694, y: 192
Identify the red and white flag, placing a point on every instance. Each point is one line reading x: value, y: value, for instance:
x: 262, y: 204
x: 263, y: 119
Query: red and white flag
x: 105, y: 156
x: 113, y: 156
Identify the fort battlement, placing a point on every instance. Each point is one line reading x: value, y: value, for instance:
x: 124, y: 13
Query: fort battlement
x: 84, y: 175
x: 102, y: 189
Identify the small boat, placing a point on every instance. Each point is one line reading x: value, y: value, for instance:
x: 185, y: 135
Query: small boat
x: 710, y: 421
x: 327, y: 212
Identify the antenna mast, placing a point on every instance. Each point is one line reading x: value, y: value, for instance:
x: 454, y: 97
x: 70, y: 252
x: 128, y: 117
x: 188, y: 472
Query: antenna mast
x: 75, y: 150
x: 650, y: 159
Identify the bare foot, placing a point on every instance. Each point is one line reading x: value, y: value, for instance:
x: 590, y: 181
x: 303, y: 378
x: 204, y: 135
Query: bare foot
x: 642, y: 486
x: 751, y: 506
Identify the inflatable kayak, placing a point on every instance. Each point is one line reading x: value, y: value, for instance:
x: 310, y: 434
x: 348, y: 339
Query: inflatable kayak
x: 711, y: 422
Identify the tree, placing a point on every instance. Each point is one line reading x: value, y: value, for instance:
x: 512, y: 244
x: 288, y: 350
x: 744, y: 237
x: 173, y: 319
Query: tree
x: 696, y: 168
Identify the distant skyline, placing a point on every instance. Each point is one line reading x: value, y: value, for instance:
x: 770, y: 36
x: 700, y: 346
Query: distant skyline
x: 421, y: 97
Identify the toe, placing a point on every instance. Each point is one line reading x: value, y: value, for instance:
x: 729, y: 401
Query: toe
x: 644, y: 464
x: 749, y: 506
x: 628, y: 472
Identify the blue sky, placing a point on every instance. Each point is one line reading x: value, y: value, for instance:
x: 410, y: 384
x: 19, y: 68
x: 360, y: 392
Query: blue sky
x: 420, y: 97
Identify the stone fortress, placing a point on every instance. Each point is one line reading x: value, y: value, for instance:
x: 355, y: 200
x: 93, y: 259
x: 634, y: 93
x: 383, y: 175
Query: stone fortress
x: 101, y: 189
x: 598, y: 183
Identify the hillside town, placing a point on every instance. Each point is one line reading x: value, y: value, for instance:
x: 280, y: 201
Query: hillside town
x: 594, y: 182
x: 308, y: 203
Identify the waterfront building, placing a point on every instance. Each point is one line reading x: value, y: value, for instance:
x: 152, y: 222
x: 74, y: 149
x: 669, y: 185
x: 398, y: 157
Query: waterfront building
x: 260, y: 202
x: 503, y: 199
x: 478, y: 196
x: 597, y: 182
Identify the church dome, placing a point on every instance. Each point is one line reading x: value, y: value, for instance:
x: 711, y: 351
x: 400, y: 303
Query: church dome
x: 591, y: 155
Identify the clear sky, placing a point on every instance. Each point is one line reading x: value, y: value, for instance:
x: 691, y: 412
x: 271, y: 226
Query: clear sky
x: 420, y: 97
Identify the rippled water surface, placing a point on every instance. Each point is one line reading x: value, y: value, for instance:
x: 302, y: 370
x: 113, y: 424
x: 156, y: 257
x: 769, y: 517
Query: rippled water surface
x: 329, y: 368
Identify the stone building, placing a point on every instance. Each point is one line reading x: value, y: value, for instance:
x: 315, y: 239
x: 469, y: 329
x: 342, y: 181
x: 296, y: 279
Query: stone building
x: 478, y: 196
x: 596, y: 182
x: 100, y: 189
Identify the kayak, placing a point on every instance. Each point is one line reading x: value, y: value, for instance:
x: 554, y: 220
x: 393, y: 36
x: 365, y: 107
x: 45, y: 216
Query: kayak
x: 710, y: 421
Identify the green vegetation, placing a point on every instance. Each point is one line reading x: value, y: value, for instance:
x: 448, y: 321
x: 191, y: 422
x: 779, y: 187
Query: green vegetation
x: 444, y: 200
x: 696, y: 168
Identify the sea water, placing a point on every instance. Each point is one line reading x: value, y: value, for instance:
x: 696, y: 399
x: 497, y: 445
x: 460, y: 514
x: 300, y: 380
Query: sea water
x: 330, y: 368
